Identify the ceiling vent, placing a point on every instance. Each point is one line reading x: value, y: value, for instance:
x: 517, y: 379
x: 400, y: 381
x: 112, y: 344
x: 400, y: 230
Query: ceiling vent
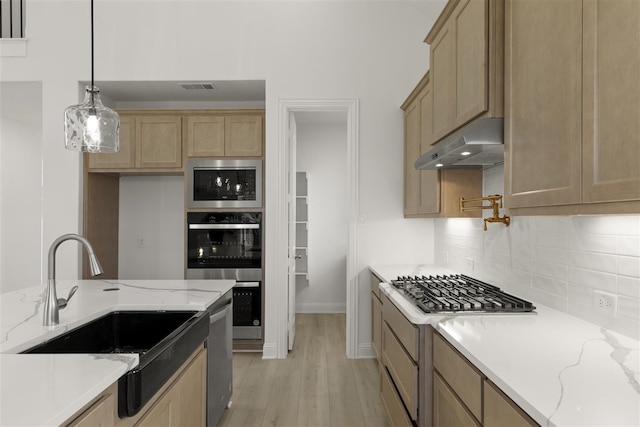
x: 198, y: 86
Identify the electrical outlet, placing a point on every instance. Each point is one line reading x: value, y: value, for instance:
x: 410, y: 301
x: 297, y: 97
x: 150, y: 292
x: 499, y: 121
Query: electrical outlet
x: 469, y: 262
x: 141, y: 242
x: 605, y: 302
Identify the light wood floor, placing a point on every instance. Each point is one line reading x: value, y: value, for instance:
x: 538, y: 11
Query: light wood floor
x: 315, y: 386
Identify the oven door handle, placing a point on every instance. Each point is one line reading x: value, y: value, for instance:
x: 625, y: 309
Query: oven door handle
x: 247, y: 285
x: 213, y: 318
x: 224, y: 226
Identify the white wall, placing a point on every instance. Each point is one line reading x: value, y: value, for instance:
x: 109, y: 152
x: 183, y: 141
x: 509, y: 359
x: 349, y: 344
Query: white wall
x: 151, y: 227
x: 21, y: 254
x: 370, y: 51
x: 322, y: 153
x: 557, y: 261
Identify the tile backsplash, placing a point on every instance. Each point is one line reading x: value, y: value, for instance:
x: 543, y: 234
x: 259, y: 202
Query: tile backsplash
x: 558, y: 261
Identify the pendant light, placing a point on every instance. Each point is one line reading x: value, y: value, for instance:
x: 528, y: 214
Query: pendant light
x: 91, y: 126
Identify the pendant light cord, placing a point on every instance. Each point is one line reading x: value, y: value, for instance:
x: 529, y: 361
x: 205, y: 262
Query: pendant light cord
x: 92, y: 81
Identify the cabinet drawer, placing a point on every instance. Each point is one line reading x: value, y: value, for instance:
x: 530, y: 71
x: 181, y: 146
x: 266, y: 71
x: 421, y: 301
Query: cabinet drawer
x: 462, y: 377
x: 402, y: 369
x: 406, y: 331
x: 392, y: 404
x: 375, y: 284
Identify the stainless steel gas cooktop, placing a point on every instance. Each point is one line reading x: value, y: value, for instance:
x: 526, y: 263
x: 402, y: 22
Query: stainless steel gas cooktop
x: 457, y: 293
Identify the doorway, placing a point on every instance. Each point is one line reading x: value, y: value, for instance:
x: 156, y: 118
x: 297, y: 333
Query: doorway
x: 287, y: 111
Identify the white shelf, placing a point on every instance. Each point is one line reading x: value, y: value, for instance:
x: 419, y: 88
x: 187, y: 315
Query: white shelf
x: 302, y: 240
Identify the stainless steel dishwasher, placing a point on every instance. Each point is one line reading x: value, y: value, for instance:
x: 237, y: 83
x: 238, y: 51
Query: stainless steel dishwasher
x: 219, y: 358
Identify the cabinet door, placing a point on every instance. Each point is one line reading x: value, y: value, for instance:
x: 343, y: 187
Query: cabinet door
x: 123, y: 159
x: 184, y: 403
x: 376, y: 325
x: 394, y: 408
x: 543, y: 97
x: 158, y: 142
x: 470, y: 21
x: 205, y: 136
x: 243, y: 136
x: 447, y: 409
x: 429, y: 179
x: 443, y: 82
x: 411, y: 153
x: 611, y: 122
x: 500, y: 411
x: 101, y: 414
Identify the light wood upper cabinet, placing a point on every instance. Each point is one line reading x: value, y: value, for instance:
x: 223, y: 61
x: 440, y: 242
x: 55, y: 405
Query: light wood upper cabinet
x: 572, y: 122
x: 411, y: 154
x: 147, y: 141
x: 225, y: 135
x: 243, y: 136
x: 205, y: 135
x: 158, y: 142
x: 543, y: 102
x: 466, y: 64
x: 611, y: 101
x: 125, y: 158
x: 431, y: 193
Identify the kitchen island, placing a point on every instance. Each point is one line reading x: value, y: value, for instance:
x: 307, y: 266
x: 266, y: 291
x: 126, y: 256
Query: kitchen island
x: 560, y: 370
x: 47, y: 389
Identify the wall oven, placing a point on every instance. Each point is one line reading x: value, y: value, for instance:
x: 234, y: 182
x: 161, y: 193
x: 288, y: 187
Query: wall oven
x: 228, y: 245
x: 225, y: 183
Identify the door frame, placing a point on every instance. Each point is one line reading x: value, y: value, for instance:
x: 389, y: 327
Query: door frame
x: 279, y: 283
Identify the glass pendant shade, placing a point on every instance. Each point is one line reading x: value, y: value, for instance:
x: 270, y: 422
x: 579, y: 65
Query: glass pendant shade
x: 91, y: 126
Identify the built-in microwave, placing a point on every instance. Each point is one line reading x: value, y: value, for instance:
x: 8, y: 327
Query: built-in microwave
x: 224, y: 183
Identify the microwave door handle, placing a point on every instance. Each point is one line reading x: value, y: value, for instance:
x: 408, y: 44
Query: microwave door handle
x: 224, y: 226
x: 247, y: 285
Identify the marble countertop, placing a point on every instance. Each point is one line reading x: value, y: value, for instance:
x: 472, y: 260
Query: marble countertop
x: 41, y: 389
x: 561, y: 370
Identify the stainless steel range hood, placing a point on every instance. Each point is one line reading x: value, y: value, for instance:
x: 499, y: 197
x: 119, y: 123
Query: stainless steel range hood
x: 478, y: 145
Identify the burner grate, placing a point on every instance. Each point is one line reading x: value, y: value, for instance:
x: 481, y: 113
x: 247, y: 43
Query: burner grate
x: 459, y: 293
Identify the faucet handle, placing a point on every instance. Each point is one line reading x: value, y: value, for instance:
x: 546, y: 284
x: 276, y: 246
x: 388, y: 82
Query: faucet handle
x: 62, y: 302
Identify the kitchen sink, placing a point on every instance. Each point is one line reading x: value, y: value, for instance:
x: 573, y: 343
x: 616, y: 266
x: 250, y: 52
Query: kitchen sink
x: 164, y: 340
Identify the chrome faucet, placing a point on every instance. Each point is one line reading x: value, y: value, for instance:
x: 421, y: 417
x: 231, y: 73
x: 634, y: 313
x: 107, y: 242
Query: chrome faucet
x: 51, y: 303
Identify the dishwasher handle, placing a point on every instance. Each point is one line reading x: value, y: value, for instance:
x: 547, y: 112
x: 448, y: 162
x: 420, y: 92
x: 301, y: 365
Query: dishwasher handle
x: 221, y: 313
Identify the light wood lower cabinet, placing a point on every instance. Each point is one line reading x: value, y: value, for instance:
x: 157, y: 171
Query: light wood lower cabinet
x: 181, y: 402
x: 184, y: 404
x: 448, y: 410
x: 392, y: 403
x: 100, y: 414
x: 463, y: 378
x: 406, y: 368
x: 376, y: 317
x: 500, y: 411
x: 463, y: 396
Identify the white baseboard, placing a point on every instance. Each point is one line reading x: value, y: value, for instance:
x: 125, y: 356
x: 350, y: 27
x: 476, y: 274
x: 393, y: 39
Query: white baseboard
x: 269, y: 351
x: 321, y: 308
x: 365, y: 351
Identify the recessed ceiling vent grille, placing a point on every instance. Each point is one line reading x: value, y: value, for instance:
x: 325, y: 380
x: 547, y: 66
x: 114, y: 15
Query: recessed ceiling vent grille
x: 198, y: 86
